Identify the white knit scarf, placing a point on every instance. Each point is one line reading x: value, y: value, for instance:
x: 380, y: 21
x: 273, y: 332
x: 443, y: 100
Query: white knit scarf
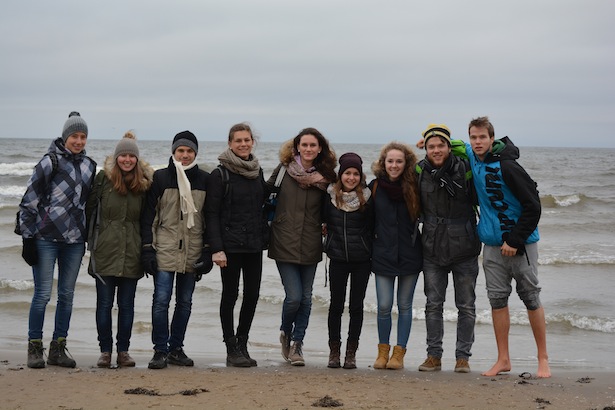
x: 185, y: 192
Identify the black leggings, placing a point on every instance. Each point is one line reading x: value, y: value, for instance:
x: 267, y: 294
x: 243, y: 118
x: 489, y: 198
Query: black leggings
x: 252, y: 266
x: 338, y: 280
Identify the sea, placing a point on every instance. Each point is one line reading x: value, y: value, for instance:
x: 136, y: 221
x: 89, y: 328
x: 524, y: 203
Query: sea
x: 576, y: 272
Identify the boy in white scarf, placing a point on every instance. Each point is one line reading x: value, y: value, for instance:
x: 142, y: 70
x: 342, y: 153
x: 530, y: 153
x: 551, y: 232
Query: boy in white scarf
x: 174, y: 246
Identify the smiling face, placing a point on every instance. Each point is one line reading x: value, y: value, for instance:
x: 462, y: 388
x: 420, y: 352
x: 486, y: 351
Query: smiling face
x: 480, y: 141
x: 185, y: 155
x: 126, y: 162
x: 241, y: 144
x: 350, y: 179
x: 308, y: 149
x: 75, y: 142
x: 394, y: 164
x: 438, y: 151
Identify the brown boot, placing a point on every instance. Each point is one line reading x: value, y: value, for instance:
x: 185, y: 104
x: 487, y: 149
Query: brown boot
x: 350, y: 361
x: 334, y: 354
x: 104, y: 360
x: 397, y: 358
x: 383, y: 356
x: 124, y: 360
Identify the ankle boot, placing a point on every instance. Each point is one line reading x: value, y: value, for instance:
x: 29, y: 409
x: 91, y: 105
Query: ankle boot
x: 397, y: 358
x: 242, y: 342
x: 334, y: 354
x: 35, y: 354
x: 234, y: 357
x: 104, y: 360
x: 124, y: 360
x: 383, y: 356
x: 350, y: 361
x: 57, y: 354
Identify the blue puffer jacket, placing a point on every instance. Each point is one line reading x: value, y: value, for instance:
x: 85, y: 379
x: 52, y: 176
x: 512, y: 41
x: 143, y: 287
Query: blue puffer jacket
x: 53, y: 207
x: 507, y: 195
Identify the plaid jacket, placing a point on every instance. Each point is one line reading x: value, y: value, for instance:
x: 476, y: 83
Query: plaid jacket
x: 53, y: 207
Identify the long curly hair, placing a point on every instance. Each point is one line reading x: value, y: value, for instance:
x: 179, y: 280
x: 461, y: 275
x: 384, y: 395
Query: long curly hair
x: 409, y: 181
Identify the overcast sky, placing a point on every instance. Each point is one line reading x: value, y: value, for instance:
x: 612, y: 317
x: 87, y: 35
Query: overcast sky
x: 359, y: 71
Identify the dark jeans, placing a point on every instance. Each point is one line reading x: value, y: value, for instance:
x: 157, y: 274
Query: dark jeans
x: 105, y: 295
x: 338, y: 281
x: 251, y: 264
x: 436, y: 281
x: 163, y: 288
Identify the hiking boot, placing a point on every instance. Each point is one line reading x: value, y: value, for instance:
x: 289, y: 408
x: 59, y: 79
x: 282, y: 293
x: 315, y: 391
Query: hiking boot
x: 296, y: 354
x: 350, y: 361
x: 396, y: 361
x: 159, y: 361
x: 334, y: 354
x: 431, y: 364
x: 383, y: 356
x: 104, y: 360
x: 124, y: 360
x: 462, y: 366
x: 57, y: 354
x: 35, y: 354
x: 285, y: 341
x: 179, y: 358
x: 242, y: 343
x: 234, y: 357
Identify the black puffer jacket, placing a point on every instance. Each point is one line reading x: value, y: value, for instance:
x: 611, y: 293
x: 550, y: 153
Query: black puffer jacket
x: 234, y: 217
x: 349, y: 234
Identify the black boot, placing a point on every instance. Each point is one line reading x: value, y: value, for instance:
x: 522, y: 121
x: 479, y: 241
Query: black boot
x: 242, y: 342
x: 234, y: 357
x: 350, y: 362
x: 35, y: 354
x: 334, y: 354
x: 57, y: 354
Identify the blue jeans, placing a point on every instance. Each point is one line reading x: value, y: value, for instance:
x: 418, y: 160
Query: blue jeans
x: 298, y: 281
x: 105, y: 294
x: 69, y: 261
x: 163, y: 288
x: 464, y: 281
x: 385, y: 289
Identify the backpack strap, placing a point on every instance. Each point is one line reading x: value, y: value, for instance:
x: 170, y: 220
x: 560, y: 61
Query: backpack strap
x: 225, y: 179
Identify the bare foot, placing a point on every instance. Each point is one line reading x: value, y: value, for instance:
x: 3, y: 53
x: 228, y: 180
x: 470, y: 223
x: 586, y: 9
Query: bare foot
x: 544, y: 370
x: 499, y: 367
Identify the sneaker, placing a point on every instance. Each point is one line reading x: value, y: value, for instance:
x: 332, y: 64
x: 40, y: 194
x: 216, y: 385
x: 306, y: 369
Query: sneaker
x: 124, y: 360
x: 58, y: 354
x: 431, y: 364
x: 462, y: 366
x: 159, y: 361
x: 104, y: 360
x: 179, y: 358
x: 35, y: 354
x: 296, y: 354
x: 285, y: 341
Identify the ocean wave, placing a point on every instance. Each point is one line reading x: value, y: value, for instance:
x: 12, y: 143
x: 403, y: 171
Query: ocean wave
x: 15, y: 191
x: 17, y: 168
x: 584, y: 259
x: 598, y: 324
x: 20, y: 285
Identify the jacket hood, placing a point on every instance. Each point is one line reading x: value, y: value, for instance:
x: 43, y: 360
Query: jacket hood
x: 57, y: 146
x: 503, y: 149
x: 146, y: 169
x: 287, y: 152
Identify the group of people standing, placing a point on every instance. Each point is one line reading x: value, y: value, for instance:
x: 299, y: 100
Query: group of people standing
x: 177, y: 222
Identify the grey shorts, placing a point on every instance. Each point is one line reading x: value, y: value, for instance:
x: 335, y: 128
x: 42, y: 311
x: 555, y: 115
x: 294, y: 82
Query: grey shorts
x: 501, y: 270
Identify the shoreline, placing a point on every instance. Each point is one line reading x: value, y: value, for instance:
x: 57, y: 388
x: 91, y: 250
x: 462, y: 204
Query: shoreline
x: 274, y: 384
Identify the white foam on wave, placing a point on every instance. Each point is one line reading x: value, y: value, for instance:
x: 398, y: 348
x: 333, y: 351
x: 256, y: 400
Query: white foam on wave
x: 16, y: 284
x: 582, y: 259
x: 12, y: 191
x: 17, y: 169
x: 567, y: 200
x: 597, y: 324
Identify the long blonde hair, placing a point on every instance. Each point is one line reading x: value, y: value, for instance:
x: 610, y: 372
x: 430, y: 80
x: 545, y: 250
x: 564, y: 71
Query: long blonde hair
x: 409, y: 181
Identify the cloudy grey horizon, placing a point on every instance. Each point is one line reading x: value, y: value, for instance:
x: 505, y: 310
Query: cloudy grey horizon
x: 359, y: 71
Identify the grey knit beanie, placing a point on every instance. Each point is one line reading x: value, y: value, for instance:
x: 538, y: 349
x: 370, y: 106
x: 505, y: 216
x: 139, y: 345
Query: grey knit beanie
x: 186, y: 139
x: 74, y: 124
x: 127, y: 145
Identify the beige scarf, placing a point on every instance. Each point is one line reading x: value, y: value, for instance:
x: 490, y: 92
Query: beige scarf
x: 306, y: 178
x: 186, y: 201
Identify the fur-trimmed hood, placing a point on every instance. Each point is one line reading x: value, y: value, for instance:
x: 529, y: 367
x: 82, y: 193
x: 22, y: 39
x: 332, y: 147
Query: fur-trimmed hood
x: 146, y: 168
x: 287, y: 152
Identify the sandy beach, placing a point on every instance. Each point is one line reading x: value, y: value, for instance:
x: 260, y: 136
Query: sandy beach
x: 275, y: 385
